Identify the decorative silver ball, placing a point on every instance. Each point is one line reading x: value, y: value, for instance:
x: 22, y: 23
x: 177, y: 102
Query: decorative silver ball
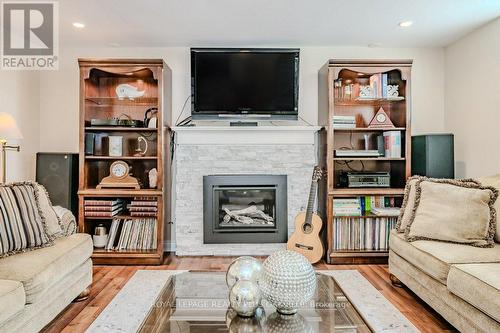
x: 288, y: 281
x: 278, y: 323
x: 243, y: 268
x: 245, y: 297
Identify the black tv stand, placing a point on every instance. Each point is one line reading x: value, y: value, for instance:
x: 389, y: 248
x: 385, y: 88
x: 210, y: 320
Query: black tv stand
x: 243, y: 123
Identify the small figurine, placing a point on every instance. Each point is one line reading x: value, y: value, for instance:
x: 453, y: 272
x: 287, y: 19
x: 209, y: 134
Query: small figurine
x: 153, y: 178
x: 127, y: 91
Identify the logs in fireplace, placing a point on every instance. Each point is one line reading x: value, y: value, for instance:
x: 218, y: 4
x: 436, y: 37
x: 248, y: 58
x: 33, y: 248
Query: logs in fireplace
x: 245, y: 209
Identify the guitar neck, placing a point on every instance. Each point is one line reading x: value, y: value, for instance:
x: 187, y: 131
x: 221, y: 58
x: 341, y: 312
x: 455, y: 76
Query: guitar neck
x: 310, y: 202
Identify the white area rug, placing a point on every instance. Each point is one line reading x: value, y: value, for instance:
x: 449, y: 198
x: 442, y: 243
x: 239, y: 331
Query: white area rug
x: 128, y: 309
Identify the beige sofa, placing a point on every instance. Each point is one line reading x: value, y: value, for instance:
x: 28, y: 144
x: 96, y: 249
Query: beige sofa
x: 461, y: 282
x: 35, y: 286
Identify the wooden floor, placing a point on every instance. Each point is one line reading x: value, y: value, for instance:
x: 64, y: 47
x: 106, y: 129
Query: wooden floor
x: 108, y: 280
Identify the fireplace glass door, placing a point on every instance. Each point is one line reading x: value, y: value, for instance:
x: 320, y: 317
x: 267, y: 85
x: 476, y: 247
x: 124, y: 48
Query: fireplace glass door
x: 238, y: 207
x: 244, y: 209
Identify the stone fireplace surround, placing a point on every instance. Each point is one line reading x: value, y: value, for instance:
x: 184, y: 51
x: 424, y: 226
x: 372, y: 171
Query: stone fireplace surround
x: 213, y: 150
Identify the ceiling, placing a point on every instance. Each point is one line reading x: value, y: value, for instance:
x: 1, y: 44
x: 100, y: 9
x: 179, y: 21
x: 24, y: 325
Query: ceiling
x: 157, y: 23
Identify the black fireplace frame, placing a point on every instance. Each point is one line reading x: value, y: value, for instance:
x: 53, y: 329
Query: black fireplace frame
x: 214, y: 234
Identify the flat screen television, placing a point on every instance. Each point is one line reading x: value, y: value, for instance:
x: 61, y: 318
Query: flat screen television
x: 244, y: 83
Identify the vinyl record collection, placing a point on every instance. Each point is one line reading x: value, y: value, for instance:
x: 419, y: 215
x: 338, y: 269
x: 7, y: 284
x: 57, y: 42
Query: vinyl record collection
x: 364, y: 223
x: 132, y: 234
x: 371, y: 233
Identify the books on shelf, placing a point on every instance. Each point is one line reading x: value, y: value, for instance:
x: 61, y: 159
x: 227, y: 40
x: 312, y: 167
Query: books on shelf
x: 97, y: 202
x: 103, y: 208
x: 136, y: 203
x: 386, y: 211
x: 357, y: 153
x: 369, y: 234
x: 143, y: 207
x: 344, y: 122
x: 347, y: 207
x: 362, y: 205
x: 132, y: 234
x: 392, y: 144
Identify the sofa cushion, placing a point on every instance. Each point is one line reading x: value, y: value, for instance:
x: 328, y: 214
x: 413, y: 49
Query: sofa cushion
x: 408, y: 204
x: 21, y: 226
x: 493, y: 181
x: 450, y: 210
x: 436, y: 258
x: 40, y: 269
x: 478, y: 285
x: 68, y: 220
x: 12, y: 298
x: 52, y: 221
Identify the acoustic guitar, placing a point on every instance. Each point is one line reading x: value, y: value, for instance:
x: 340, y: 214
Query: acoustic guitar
x: 305, y: 239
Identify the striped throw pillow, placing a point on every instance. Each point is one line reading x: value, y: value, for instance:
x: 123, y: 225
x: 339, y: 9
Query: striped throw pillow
x: 21, y: 226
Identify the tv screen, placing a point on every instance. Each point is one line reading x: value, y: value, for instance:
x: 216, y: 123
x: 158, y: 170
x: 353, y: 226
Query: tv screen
x: 239, y: 82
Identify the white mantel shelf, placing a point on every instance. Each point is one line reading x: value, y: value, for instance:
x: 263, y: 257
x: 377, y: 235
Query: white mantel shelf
x: 245, y: 135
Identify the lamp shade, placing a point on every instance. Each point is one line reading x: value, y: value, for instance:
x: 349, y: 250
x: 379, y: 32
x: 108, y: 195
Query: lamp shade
x: 8, y: 127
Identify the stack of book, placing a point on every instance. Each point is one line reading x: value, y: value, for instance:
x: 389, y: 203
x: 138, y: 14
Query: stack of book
x: 385, y: 211
x: 359, y: 206
x: 347, y: 207
x: 344, y: 122
x: 103, y: 208
x: 369, y: 234
x: 134, y: 234
x: 143, y: 206
x: 392, y: 144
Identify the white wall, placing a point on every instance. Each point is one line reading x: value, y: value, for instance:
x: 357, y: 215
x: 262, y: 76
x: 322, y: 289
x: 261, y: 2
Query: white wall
x: 59, y: 89
x: 472, y: 100
x: 19, y: 97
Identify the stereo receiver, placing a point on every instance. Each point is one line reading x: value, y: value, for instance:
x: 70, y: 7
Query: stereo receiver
x: 364, y: 179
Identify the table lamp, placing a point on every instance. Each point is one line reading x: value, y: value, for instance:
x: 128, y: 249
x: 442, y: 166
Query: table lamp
x: 8, y: 131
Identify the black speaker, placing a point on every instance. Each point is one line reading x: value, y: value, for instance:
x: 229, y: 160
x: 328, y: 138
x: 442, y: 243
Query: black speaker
x: 58, y: 172
x: 433, y: 155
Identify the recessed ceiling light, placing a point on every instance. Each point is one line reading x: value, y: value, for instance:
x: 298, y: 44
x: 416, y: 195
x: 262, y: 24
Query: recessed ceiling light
x: 405, y: 24
x: 78, y: 25
x: 114, y: 44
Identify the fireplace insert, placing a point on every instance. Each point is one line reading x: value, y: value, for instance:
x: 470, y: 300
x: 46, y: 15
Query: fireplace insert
x: 245, y: 209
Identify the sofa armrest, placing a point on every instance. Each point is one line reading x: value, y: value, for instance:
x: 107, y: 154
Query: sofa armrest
x: 68, y: 220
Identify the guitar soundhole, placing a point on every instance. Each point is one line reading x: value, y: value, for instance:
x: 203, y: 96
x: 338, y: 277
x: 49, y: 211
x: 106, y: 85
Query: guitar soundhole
x: 307, y: 228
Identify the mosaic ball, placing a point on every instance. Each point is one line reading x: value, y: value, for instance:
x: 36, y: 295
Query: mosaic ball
x: 288, y: 281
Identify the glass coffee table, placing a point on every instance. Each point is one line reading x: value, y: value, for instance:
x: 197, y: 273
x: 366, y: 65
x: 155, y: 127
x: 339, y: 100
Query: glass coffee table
x: 197, y: 302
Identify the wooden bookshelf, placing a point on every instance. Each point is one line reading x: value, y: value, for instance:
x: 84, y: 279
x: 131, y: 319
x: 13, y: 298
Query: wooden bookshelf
x: 98, y: 81
x: 333, y: 102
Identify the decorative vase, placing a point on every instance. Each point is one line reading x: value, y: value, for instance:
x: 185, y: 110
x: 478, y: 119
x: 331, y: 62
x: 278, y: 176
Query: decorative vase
x: 245, y: 297
x: 243, y: 268
x: 288, y: 281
